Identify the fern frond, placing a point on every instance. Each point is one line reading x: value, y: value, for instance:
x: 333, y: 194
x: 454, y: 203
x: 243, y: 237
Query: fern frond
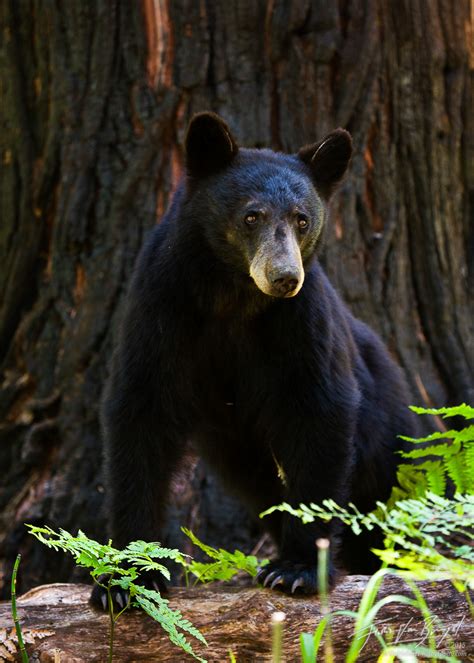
x: 436, y: 479
x: 462, y: 410
x: 456, y: 470
x: 170, y: 620
x: 415, y: 533
x: 226, y: 564
x: 447, y: 460
x: 447, y: 449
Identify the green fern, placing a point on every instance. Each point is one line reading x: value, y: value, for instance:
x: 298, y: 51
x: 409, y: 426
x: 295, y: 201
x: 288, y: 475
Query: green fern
x: 123, y: 568
x: 417, y: 533
x: 462, y: 410
x: 158, y: 609
x: 425, y: 534
x: 225, y: 565
x: 451, y: 460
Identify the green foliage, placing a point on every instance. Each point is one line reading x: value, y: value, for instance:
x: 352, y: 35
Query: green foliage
x: 425, y: 534
x: 451, y: 460
x: 16, y: 620
x: 123, y: 568
x: 364, y: 625
x: 419, y: 534
x: 225, y: 565
x: 171, y: 620
x: 462, y: 410
x: 103, y: 558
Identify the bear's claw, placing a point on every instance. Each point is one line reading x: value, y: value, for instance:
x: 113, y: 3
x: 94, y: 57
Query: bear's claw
x: 291, y: 577
x: 278, y: 581
x: 269, y: 578
x: 299, y: 582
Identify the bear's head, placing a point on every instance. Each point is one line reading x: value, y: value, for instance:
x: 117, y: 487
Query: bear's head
x: 262, y: 212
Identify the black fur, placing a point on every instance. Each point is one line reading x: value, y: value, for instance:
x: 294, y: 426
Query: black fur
x: 256, y: 380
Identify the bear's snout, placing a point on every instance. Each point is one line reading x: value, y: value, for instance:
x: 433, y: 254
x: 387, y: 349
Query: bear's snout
x: 277, y: 267
x: 285, y: 284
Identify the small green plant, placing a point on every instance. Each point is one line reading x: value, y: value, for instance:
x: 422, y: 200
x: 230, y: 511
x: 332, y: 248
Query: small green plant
x: 122, y: 568
x: 419, y: 535
x: 225, y: 565
x: 364, y: 626
x: 16, y: 621
x: 440, y: 462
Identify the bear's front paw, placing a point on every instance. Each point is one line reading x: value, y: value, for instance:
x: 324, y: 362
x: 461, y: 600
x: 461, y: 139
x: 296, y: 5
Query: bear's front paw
x: 293, y: 577
x: 119, y: 596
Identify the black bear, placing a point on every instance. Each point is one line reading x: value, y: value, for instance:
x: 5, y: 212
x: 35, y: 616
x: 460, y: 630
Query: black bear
x: 233, y: 337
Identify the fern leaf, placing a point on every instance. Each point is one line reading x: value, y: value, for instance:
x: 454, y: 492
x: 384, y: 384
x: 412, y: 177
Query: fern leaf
x: 456, y: 470
x: 436, y: 479
x: 469, y: 465
x: 444, y: 450
x: 464, y: 435
x: 210, y: 552
x: 171, y: 620
x: 462, y: 410
x: 225, y: 564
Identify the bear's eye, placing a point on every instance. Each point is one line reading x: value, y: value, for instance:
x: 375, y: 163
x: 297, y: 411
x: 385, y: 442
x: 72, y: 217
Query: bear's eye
x: 302, y: 221
x: 251, y: 218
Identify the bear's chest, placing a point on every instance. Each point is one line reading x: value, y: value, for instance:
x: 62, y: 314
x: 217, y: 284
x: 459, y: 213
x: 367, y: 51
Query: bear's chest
x: 215, y: 375
x: 225, y: 362
x: 236, y: 368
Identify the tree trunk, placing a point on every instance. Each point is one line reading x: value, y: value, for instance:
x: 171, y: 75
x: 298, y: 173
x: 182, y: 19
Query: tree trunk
x: 95, y: 99
x: 58, y: 622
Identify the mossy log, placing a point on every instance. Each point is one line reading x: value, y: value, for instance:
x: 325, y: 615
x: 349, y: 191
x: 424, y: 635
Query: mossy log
x: 59, y: 624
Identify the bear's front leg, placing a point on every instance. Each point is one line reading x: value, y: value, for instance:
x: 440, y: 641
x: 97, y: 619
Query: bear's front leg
x: 141, y: 457
x: 143, y: 436
x: 315, y: 462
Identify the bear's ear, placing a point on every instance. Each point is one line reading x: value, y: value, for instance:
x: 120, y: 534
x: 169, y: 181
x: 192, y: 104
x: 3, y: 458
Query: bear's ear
x: 210, y: 145
x: 328, y: 160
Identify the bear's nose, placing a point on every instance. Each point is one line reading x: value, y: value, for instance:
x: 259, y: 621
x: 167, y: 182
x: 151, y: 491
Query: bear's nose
x: 285, y: 284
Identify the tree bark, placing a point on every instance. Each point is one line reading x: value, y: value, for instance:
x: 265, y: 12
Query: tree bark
x: 95, y: 100
x: 57, y: 620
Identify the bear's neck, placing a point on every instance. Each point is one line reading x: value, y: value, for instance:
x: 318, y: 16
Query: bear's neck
x: 216, y: 288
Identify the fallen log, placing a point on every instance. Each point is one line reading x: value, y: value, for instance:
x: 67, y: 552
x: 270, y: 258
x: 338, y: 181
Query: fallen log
x: 59, y: 624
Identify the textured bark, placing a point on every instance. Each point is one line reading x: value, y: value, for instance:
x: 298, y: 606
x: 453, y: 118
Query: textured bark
x: 95, y: 99
x: 57, y: 621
